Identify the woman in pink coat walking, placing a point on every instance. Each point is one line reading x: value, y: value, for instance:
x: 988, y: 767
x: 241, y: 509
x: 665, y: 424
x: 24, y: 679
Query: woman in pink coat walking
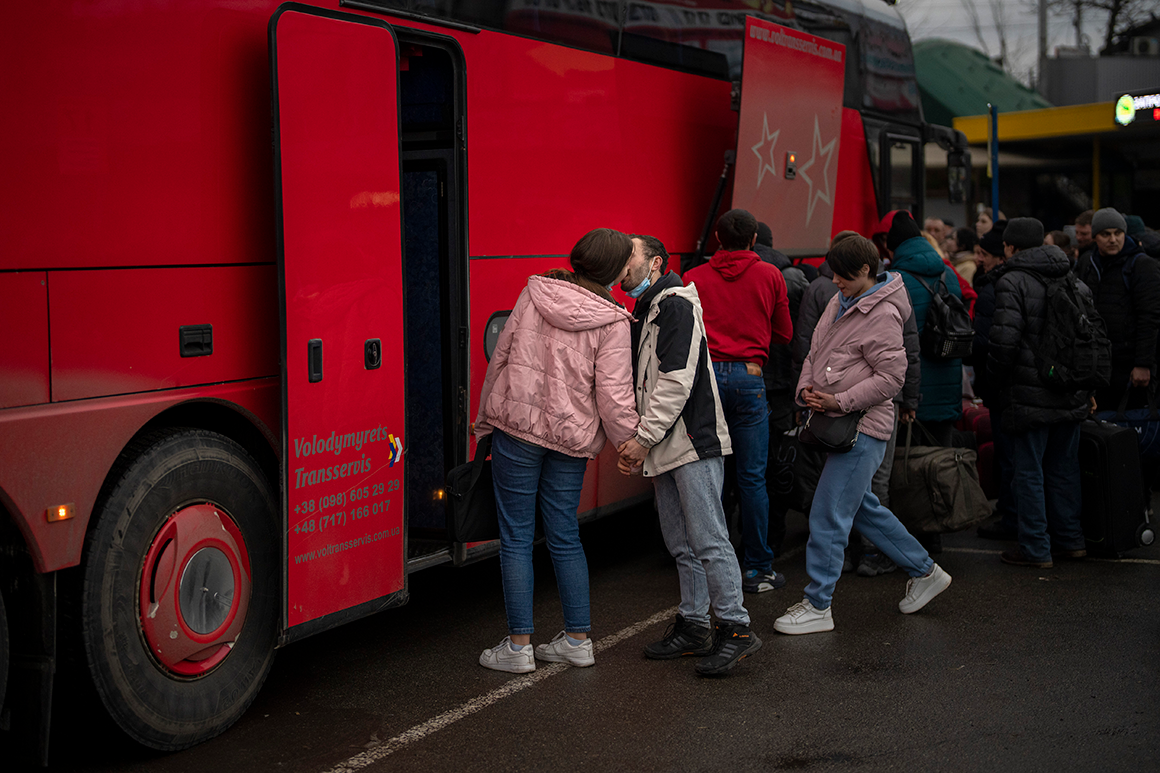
x: 558, y: 386
x: 857, y: 363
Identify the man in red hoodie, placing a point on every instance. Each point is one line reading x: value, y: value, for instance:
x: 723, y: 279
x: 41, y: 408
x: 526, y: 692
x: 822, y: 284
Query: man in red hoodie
x: 745, y: 308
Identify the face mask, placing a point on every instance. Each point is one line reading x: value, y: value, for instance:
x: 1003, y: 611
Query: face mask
x: 638, y: 291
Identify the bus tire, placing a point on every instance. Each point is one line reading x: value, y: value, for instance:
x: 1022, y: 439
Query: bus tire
x: 180, y: 602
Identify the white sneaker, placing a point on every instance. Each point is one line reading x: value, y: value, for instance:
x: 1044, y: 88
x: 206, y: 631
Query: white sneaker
x: 502, y: 657
x: 803, y: 618
x: 560, y: 650
x: 920, y: 590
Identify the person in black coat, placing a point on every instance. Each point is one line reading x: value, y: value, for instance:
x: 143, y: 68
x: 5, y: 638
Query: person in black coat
x: 1043, y: 425
x: 990, y: 257
x: 1126, y: 286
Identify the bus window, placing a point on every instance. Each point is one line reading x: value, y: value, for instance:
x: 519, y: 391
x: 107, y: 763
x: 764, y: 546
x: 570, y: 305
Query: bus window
x: 902, y: 166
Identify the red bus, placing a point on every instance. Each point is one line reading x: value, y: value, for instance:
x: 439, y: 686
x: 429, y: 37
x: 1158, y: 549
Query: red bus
x: 177, y: 507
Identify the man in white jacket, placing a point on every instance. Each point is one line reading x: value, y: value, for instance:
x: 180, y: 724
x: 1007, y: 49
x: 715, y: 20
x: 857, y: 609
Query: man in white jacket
x: 681, y: 443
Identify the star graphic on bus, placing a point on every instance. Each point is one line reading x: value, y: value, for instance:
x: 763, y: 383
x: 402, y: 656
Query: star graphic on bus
x: 826, y: 150
x: 772, y: 140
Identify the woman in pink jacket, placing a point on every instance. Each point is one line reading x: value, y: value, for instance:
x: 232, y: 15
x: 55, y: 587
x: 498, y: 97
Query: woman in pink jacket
x: 559, y: 385
x: 857, y: 362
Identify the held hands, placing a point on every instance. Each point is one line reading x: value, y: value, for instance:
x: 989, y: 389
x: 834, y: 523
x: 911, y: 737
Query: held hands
x: 632, y: 456
x: 907, y: 415
x: 819, y: 401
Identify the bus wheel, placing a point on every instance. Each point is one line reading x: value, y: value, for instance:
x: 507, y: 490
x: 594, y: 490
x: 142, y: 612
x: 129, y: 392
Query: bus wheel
x: 180, y: 599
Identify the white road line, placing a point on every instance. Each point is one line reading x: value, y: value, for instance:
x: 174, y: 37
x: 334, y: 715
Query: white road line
x: 1153, y: 561
x: 517, y: 684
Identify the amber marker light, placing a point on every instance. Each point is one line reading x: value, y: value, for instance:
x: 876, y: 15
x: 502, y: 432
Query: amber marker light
x: 61, y: 512
x: 439, y: 494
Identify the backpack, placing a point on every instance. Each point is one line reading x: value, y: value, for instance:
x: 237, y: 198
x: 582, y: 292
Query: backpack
x: 1074, y: 352
x: 947, y: 333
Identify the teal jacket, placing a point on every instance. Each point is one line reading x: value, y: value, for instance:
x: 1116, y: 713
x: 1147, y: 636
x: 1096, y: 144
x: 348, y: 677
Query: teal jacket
x: 942, y: 380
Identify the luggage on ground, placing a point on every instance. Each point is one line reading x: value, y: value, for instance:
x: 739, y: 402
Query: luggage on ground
x: 1112, y: 488
x: 934, y: 489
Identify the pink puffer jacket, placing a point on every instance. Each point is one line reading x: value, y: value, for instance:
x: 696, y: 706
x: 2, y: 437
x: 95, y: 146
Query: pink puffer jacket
x: 860, y: 358
x: 561, y: 373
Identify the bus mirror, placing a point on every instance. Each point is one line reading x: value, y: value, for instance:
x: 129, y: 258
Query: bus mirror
x: 958, y: 175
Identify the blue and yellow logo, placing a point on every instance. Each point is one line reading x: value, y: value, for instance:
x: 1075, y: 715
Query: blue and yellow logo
x: 1125, y: 110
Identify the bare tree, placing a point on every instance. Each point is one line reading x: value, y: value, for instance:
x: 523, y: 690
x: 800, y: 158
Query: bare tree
x: 1001, y: 29
x: 1121, y: 15
x: 976, y: 25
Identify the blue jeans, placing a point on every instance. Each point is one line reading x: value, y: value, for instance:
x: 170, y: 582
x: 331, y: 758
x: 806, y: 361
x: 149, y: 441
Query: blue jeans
x: 747, y: 414
x: 523, y: 473
x: 1047, y: 492
x: 693, y: 524
x: 843, y: 500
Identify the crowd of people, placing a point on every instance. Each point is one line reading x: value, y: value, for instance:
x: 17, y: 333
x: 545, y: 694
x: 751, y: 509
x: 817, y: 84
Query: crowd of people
x: 725, y: 359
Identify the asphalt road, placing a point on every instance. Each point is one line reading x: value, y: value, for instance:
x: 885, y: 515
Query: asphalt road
x: 1010, y: 669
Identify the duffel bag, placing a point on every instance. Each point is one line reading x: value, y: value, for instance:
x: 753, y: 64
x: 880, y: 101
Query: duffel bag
x: 935, y: 490
x: 794, y: 470
x: 1145, y: 421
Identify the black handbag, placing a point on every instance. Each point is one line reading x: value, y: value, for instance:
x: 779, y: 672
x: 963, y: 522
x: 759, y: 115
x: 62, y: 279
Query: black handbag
x: 832, y: 434
x: 472, y: 516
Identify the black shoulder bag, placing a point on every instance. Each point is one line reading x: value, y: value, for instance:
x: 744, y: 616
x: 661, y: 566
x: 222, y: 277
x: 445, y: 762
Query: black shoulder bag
x: 833, y: 434
x: 472, y: 516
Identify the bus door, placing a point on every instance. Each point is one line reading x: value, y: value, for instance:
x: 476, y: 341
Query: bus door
x: 788, y: 135
x: 340, y: 244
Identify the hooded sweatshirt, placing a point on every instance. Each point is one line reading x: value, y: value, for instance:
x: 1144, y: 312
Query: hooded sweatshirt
x: 745, y: 306
x: 859, y: 356
x: 561, y: 373
x: 942, y: 380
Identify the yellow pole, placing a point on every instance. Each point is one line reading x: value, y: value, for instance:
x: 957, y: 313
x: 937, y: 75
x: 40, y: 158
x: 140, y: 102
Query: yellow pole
x: 1096, y: 173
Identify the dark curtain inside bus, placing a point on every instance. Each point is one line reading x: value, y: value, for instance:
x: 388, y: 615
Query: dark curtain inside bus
x: 427, y: 122
x: 424, y: 349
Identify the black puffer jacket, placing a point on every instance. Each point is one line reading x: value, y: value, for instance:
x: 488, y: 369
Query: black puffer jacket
x: 1016, y: 331
x: 984, y: 315
x: 1132, y: 315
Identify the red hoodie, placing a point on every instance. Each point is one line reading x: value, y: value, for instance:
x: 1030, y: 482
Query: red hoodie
x: 744, y: 304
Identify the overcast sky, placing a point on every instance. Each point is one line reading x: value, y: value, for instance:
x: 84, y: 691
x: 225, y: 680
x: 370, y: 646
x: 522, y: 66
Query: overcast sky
x: 951, y: 19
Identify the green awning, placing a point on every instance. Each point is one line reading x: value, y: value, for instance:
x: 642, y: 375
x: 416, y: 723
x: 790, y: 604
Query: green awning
x: 957, y: 80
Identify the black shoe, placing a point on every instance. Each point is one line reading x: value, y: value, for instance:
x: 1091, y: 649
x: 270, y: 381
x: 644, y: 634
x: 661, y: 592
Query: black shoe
x: 682, y: 638
x: 732, y: 642
x: 995, y: 530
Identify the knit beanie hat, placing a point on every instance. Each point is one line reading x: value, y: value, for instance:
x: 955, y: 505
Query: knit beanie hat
x: 1023, y: 233
x: 992, y: 241
x: 1136, y: 225
x: 764, y: 235
x: 902, y: 228
x: 1108, y: 218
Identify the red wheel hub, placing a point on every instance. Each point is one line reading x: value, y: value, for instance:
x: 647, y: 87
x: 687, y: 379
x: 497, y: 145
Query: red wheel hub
x: 195, y: 590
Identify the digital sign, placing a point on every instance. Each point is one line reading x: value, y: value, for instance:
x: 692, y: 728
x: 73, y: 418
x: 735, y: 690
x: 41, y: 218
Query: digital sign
x: 1138, y: 108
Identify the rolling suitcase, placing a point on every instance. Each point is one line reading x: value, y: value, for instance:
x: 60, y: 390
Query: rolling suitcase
x: 1112, y: 488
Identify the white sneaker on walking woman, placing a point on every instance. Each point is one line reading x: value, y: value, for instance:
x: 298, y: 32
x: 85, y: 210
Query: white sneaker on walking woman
x: 802, y: 617
x: 502, y: 657
x: 560, y: 650
x: 920, y: 590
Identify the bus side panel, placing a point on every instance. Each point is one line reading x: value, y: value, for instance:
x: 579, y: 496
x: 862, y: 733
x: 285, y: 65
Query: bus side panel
x: 138, y: 134
x: 562, y: 141
x: 120, y: 331
x: 58, y: 454
x: 856, y: 205
x: 24, y: 355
